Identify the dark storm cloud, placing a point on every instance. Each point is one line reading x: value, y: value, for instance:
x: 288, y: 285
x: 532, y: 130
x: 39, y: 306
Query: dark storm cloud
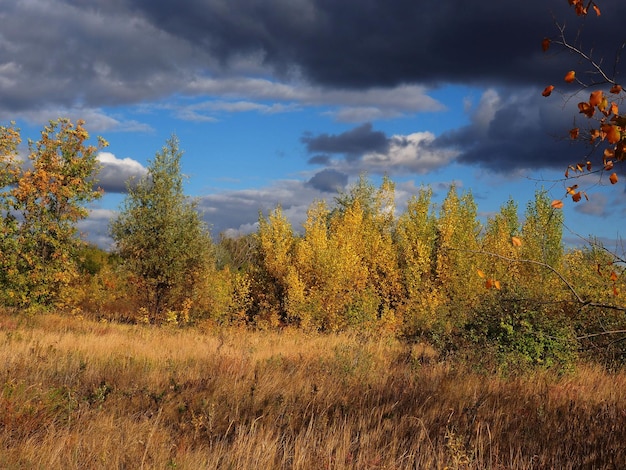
x: 522, y: 131
x: 352, y: 143
x: 77, y: 54
x: 329, y: 181
x: 356, y: 43
x: 104, y: 52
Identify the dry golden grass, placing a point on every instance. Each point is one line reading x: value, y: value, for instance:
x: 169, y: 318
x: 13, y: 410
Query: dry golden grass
x: 79, y: 394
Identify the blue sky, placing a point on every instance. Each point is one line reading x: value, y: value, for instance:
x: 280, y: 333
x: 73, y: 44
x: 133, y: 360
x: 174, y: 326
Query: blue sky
x: 284, y: 102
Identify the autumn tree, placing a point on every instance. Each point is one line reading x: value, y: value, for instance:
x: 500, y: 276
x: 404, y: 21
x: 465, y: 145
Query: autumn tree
x: 162, y: 239
x: 42, y: 205
x: 275, y: 241
x: 542, y: 235
x: 415, y: 241
x: 342, y: 272
x: 501, y: 243
x: 455, y: 261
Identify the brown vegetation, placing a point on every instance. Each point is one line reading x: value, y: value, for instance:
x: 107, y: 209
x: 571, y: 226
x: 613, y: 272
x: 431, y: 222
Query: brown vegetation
x: 83, y: 394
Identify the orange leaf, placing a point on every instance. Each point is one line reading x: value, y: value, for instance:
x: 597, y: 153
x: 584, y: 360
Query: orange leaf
x: 516, y: 241
x: 616, y: 89
x: 480, y: 273
x: 567, y: 173
x: 573, y: 133
x: 586, y: 109
x: 615, y: 291
x: 548, y: 90
x: 613, y: 178
x: 497, y: 285
x: 595, y: 98
x: 572, y: 189
x: 608, y: 166
x: 604, y: 103
x: 488, y: 284
x: 609, y: 153
x: 570, y: 76
x: 594, y: 133
x: 577, y: 197
x: 613, y: 134
x: 588, y: 166
x: 545, y: 44
x: 596, y: 9
x: 614, y: 109
x: 613, y: 276
x: 557, y: 204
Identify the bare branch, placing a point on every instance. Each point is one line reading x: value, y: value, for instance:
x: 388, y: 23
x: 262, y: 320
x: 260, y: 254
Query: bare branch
x: 598, y: 67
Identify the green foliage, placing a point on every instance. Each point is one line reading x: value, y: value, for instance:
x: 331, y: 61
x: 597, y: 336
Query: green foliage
x: 41, y: 206
x: 517, y: 335
x: 163, y: 241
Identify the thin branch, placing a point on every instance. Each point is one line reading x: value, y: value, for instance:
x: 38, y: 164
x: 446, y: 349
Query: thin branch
x: 602, y: 333
x: 580, y: 53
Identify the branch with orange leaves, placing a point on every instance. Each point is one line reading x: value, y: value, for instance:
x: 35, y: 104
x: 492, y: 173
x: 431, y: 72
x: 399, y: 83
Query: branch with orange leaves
x: 611, y: 125
x: 578, y: 299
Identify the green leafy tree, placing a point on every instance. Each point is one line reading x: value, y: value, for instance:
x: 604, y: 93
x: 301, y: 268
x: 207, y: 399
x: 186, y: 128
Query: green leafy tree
x: 9, y: 174
x: 162, y: 239
x: 42, y: 205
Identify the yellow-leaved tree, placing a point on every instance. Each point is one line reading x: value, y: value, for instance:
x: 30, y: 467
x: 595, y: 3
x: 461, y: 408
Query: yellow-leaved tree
x: 276, y: 242
x: 416, y: 234
x: 455, y: 261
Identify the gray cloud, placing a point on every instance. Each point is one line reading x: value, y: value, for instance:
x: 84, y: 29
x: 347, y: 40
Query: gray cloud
x: 115, y: 172
x: 55, y: 52
x: 358, y: 55
x: 319, y: 160
x: 352, y: 143
x: 95, y: 228
x: 512, y: 131
x: 329, y: 181
x: 364, y: 150
x: 235, y: 211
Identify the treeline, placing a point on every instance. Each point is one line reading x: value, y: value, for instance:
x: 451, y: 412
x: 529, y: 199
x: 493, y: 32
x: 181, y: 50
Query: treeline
x: 506, y: 290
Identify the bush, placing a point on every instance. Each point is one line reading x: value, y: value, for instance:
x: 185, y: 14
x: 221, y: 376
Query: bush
x: 520, y: 335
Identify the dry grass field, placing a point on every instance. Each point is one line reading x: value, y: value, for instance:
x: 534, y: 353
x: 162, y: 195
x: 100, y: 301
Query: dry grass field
x: 77, y: 394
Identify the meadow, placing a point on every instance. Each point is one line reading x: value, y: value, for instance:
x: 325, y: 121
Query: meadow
x: 82, y: 394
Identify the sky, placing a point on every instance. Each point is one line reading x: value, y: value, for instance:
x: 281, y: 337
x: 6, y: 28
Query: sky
x: 284, y: 102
